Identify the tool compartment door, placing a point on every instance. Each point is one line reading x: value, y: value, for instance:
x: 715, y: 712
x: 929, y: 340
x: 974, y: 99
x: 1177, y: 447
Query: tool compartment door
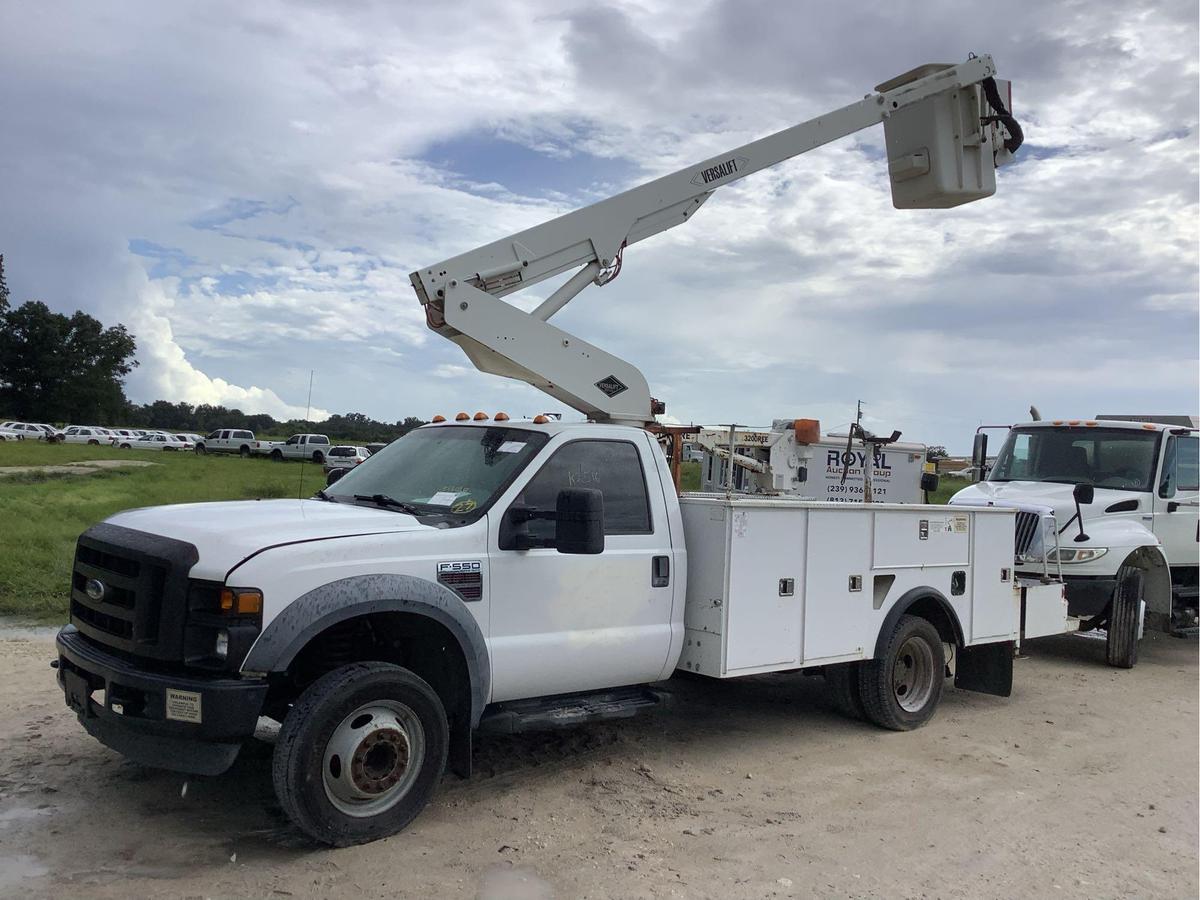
x: 763, y: 626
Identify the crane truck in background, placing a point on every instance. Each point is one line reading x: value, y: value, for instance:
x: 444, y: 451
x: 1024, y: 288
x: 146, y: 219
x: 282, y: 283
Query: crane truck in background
x: 484, y: 573
x: 1112, y: 507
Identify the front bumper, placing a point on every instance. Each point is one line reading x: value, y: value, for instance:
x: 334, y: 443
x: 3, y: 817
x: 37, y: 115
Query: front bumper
x: 200, y: 732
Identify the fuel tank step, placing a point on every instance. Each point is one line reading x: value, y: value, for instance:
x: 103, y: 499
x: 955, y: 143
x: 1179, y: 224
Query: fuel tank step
x: 544, y: 714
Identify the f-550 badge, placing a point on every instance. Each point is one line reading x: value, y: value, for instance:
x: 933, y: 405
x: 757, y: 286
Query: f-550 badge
x: 466, y: 565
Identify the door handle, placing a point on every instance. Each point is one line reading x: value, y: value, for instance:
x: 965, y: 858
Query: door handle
x: 660, y: 571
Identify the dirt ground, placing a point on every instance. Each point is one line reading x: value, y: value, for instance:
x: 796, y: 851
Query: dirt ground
x: 1082, y: 784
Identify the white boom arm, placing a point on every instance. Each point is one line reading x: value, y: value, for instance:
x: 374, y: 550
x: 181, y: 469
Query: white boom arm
x: 461, y: 295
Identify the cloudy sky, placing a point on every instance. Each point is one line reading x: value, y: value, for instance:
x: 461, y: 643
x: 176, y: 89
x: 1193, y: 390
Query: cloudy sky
x: 248, y: 185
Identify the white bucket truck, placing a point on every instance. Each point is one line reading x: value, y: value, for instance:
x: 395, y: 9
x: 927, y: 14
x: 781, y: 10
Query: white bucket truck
x: 486, y: 573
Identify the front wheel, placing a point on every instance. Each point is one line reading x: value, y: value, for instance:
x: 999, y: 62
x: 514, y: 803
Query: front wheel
x: 360, y: 753
x: 200, y: 451
x: 1121, y: 643
x: 277, y: 456
x: 901, y: 690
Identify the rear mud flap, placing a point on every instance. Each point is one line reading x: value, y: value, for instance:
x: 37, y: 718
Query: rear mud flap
x: 986, y: 669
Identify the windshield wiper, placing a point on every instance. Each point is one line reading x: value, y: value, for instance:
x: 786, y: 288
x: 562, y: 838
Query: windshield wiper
x: 389, y: 502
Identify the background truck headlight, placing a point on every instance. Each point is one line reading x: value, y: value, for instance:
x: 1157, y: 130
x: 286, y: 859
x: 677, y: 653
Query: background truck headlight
x: 1067, y: 555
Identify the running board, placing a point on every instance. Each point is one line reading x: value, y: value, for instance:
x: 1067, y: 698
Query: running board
x: 546, y: 713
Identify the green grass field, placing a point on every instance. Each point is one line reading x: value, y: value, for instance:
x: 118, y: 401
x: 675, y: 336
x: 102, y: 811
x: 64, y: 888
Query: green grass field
x: 41, y: 516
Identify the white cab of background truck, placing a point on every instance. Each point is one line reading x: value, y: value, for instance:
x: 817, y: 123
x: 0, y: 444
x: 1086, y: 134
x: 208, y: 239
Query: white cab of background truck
x: 1139, y: 519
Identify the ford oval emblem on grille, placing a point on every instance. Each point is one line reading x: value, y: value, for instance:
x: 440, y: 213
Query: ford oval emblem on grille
x: 94, y: 589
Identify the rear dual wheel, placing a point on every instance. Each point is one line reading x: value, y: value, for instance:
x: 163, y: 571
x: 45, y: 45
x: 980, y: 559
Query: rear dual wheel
x: 901, y: 689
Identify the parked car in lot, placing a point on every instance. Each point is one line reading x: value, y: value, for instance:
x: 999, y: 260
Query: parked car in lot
x: 9, y: 434
x: 34, y: 431
x: 298, y: 446
x: 192, y: 439
x: 87, y: 434
x: 227, y: 440
x: 344, y: 456
x: 154, y: 441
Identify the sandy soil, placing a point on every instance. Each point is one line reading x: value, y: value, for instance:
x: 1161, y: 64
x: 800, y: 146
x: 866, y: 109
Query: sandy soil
x: 1082, y: 784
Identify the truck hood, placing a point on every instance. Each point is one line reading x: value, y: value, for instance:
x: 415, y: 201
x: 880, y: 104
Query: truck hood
x: 1039, y: 494
x: 225, y: 534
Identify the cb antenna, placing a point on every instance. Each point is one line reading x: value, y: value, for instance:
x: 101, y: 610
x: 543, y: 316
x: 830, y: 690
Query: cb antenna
x: 307, y: 413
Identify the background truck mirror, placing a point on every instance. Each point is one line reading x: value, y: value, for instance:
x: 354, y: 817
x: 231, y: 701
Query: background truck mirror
x: 1084, y: 494
x: 979, y: 455
x: 579, y: 521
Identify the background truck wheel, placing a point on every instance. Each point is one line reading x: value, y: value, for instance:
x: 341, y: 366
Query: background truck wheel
x: 244, y: 452
x: 360, y: 753
x: 277, y: 456
x: 125, y: 447
x: 319, y: 458
x: 200, y: 451
x: 842, y: 681
x: 1121, y: 647
x: 901, y: 690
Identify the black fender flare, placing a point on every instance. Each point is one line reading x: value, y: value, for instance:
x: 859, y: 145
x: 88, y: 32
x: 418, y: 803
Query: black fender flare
x: 324, y: 606
x: 902, y: 606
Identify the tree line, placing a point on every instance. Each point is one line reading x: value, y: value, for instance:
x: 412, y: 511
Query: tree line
x: 204, y: 418
x: 71, y: 370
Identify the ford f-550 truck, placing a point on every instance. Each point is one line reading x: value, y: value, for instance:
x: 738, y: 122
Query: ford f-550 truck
x: 485, y: 573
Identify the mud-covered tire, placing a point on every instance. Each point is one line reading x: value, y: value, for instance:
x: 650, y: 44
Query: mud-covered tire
x: 314, y: 790
x: 900, y: 690
x: 842, y: 683
x: 1121, y: 646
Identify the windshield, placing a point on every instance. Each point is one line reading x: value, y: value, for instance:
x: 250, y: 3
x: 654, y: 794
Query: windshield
x: 1105, y: 457
x: 449, y: 470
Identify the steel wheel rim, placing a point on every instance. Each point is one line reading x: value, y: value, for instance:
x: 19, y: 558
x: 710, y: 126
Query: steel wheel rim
x: 373, y: 758
x: 912, y: 675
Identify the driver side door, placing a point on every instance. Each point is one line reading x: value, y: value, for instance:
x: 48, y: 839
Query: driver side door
x: 1176, y: 514
x: 562, y: 622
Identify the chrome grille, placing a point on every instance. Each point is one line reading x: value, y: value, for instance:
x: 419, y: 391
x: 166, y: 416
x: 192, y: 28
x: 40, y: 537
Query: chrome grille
x: 1027, y: 531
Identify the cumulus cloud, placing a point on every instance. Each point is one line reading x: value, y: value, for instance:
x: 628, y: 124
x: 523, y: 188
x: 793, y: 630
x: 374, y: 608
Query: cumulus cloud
x: 252, y: 210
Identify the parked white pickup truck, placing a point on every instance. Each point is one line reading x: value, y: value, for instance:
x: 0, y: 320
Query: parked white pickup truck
x: 227, y: 440
x: 298, y: 446
x: 509, y: 576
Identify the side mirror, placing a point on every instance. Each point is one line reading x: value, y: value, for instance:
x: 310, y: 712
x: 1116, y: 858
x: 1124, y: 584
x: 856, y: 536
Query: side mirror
x: 929, y: 482
x: 1084, y: 494
x: 579, y: 521
x: 979, y: 455
x: 334, y: 475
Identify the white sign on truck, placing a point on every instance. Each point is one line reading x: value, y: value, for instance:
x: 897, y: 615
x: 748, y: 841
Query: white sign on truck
x: 813, y: 471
